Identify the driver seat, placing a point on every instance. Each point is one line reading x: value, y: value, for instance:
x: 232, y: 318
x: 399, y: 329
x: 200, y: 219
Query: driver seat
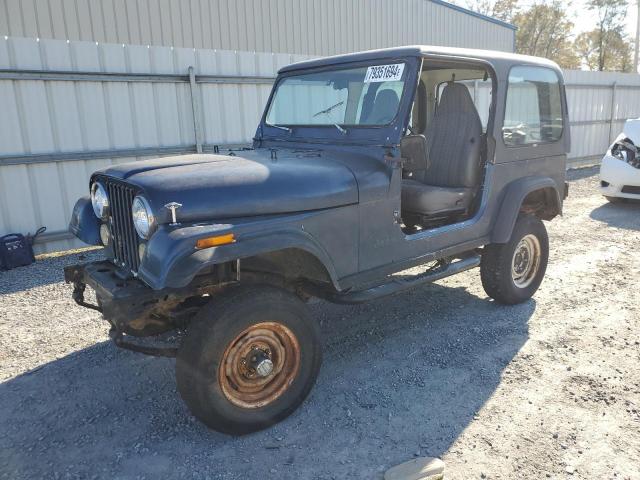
x: 385, y: 107
x: 444, y: 181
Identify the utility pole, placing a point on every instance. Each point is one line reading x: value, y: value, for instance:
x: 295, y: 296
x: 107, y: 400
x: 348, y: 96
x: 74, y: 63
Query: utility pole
x: 635, y: 58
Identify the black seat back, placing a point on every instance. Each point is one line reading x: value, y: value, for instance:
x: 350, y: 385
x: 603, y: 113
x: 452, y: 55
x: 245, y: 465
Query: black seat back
x: 454, y: 141
x: 385, y: 107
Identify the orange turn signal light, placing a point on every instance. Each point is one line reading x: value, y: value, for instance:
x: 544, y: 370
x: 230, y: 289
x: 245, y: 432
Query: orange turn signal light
x: 215, y: 241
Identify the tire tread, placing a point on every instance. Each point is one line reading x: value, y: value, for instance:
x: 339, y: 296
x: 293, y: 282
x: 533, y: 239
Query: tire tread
x: 495, y: 265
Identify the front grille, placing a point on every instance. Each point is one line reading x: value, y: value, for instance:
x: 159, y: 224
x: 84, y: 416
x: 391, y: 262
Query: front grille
x: 124, y: 239
x: 631, y: 189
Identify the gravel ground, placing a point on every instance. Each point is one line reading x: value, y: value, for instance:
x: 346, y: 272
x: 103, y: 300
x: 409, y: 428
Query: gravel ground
x: 550, y: 388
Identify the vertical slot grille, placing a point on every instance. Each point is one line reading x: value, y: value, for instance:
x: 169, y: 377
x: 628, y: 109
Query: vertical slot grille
x: 124, y: 238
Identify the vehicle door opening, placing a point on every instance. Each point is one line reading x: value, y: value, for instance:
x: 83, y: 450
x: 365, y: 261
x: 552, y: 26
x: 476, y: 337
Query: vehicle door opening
x: 445, y: 149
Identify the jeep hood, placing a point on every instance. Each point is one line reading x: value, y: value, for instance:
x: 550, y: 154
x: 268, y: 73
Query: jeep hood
x: 212, y: 187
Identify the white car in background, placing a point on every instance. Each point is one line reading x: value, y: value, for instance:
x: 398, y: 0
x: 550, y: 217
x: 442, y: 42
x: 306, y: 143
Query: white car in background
x: 620, y: 169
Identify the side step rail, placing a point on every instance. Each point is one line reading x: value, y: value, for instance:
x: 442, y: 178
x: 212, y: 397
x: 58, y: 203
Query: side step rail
x: 396, y: 284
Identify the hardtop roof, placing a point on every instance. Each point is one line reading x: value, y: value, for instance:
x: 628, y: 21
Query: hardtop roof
x: 494, y: 57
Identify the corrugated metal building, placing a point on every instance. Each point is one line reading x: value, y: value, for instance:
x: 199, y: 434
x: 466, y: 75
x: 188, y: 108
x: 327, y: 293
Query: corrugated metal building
x: 87, y: 83
x: 309, y: 27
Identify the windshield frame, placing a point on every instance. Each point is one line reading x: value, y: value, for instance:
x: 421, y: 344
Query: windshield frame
x: 282, y: 80
x: 386, y: 134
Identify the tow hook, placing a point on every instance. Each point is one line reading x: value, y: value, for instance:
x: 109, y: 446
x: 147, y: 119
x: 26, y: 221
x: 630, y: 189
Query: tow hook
x: 78, y: 296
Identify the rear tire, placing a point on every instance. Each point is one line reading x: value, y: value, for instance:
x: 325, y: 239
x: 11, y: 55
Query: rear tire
x: 249, y: 359
x: 512, y: 272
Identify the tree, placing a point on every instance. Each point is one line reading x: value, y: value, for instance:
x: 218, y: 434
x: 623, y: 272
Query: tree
x: 544, y: 30
x: 606, y: 47
x: 501, y: 9
x: 610, y: 51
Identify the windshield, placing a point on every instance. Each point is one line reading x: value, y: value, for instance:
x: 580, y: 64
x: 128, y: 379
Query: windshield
x: 363, y: 96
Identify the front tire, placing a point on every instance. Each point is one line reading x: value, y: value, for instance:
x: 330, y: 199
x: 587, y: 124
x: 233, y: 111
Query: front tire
x: 249, y: 359
x: 512, y: 272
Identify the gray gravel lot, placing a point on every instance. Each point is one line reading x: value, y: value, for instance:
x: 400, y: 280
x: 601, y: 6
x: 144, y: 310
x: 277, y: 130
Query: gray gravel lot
x: 550, y: 388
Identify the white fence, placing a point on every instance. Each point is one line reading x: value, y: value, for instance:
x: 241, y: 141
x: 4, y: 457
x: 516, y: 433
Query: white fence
x: 69, y: 108
x: 599, y: 104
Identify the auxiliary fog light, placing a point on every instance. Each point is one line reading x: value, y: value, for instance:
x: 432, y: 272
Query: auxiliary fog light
x: 142, y: 248
x: 105, y: 235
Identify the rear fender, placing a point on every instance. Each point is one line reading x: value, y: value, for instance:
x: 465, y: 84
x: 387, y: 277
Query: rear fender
x: 512, y: 200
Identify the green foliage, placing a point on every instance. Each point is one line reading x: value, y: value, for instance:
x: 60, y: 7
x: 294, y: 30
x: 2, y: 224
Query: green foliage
x: 606, y: 47
x: 501, y: 9
x: 544, y: 30
x: 605, y: 51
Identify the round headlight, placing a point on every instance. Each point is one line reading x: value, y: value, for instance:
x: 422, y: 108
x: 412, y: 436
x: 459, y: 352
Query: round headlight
x: 143, y: 218
x: 99, y: 200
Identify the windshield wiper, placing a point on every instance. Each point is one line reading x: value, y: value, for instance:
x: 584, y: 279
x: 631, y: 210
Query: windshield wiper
x: 286, y: 129
x: 328, y: 110
x: 340, y: 129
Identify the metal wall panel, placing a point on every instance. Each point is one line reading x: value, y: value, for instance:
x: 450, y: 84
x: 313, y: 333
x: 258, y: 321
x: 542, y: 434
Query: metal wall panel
x: 312, y: 27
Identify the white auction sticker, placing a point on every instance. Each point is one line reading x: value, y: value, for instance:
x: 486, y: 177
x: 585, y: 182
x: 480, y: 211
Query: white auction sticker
x: 384, y: 73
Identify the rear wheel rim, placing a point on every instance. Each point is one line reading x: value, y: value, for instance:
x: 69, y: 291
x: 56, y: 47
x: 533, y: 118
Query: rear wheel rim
x: 259, y: 365
x: 526, y: 261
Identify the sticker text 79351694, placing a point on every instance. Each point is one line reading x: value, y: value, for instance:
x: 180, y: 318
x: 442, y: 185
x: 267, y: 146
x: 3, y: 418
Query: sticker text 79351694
x: 384, y: 73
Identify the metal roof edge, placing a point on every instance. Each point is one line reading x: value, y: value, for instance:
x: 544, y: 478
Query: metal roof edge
x: 474, y: 14
x: 492, y: 56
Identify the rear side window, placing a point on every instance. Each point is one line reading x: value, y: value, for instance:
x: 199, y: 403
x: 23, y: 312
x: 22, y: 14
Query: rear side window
x: 534, y: 107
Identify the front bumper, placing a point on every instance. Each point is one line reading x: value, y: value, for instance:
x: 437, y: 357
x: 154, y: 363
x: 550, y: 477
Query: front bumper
x: 126, y: 303
x: 619, y: 179
x: 130, y: 306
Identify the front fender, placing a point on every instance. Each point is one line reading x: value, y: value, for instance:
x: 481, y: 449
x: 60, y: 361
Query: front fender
x: 171, y: 259
x: 84, y: 224
x: 514, y: 195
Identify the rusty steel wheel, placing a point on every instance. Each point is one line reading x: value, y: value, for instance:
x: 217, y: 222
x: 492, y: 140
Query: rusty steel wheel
x: 526, y: 261
x: 249, y: 358
x: 259, y: 365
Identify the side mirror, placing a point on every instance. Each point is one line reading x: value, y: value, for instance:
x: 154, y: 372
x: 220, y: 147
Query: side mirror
x: 413, y: 149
